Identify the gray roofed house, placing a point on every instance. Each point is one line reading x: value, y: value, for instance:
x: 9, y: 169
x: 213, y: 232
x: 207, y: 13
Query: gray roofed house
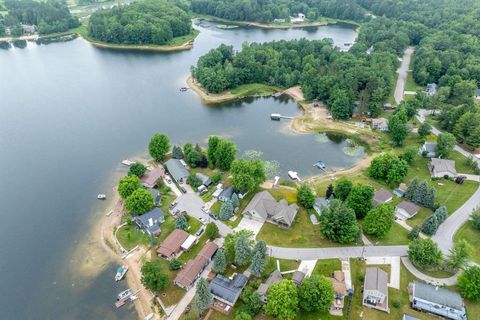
x: 177, y: 170
x: 440, y: 168
x: 407, y: 317
x: 406, y: 210
x: 380, y: 124
x: 429, y: 149
x: 263, y: 207
x: 226, y: 194
x: 439, y: 301
x: 375, y: 289
x: 382, y: 196
x: 150, y: 221
x: 297, y: 277
x: 320, y: 204
x: 228, y: 290
x: 204, y: 179
x: 274, y: 277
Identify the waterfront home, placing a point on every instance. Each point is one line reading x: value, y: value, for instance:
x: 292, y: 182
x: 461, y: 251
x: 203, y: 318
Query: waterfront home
x: 226, y: 291
x: 204, y: 179
x: 157, y: 198
x: 177, y: 170
x: 400, y: 191
x: 193, y: 268
x: 226, y: 194
x: 382, y: 196
x: 340, y: 291
x: 428, y: 149
x: 431, y: 89
x: 149, y: 222
x: 380, y: 124
x: 440, y: 168
x: 263, y: 207
x: 300, y: 18
x: 439, y: 301
x: 29, y: 29
x: 375, y: 289
x: 172, y: 245
x: 274, y: 277
x: 150, y: 178
x: 405, y: 210
x: 298, y: 277
x: 320, y: 204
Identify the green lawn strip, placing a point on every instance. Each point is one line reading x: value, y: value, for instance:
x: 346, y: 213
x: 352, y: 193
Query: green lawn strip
x: 326, y: 267
x: 130, y: 236
x: 172, y: 294
x: 396, y: 236
x: 471, y: 235
x: 254, y: 89
x: 284, y: 193
x: 391, y: 97
x: 436, y: 273
x: 411, y: 85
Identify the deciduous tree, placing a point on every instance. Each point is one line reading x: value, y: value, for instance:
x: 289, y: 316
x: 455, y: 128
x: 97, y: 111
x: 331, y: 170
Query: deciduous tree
x: 338, y: 222
x: 159, y: 146
x: 211, y: 231
x: 343, y: 188
x: 305, y: 196
x: 469, y: 283
x: 424, y: 253
x: 137, y: 169
x: 316, y: 294
x: 445, y: 144
x: 153, y: 276
x: 458, y: 255
x: 139, y: 202
x: 128, y: 185
x: 379, y: 221
x: 247, y: 174
x: 360, y: 199
x: 282, y: 300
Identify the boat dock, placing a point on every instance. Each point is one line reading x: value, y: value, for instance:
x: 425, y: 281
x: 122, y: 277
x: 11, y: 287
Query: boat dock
x: 320, y: 165
x: 278, y: 116
x: 130, y: 298
x: 294, y: 176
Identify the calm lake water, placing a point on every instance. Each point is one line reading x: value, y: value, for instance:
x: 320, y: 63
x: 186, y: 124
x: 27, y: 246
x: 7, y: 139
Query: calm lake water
x: 69, y: 113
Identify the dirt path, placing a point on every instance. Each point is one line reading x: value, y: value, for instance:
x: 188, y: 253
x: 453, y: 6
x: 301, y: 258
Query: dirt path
x: 402, y: 75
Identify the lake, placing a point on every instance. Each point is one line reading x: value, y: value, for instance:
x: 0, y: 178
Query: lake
x: 70, y: 113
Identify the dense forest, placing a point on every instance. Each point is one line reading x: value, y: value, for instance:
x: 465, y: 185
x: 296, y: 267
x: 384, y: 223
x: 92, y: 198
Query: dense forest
x: 144, y: 22
x: 49, y: 16
x: 323, y: 72
x: 268, y: 10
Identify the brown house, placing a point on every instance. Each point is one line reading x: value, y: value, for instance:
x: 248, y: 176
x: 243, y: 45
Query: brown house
x: 192, y: 270
x: 172, y: 245
x: 150, y: 178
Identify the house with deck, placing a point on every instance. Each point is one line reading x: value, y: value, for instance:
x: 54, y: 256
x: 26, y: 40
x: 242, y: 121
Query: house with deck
x: 150, y: 178
x: 172, y: 245
x: 340, y: 291
x: 263, y: 207
x: 149, y: 222
x: 405, y: 210
x: 226, y: 291
x: 177, y: 170
x: 440, y: 168
x: 193, y: 268
x: 375, y: 289
x: 438, y: 301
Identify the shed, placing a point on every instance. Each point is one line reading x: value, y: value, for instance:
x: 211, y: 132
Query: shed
x: 406, y: 210
x: 428, y: 149
x: 226, y: 194
x: 297, y: 277
x: 188, y: 243
x: 320, y: 204
x: 157, y: 198
x: 431, y: 89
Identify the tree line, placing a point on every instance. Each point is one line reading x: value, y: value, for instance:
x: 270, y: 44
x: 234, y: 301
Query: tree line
x: 49, y: 16
x: 143, y: 22
x: 325, y: 73
x: 268, y: 10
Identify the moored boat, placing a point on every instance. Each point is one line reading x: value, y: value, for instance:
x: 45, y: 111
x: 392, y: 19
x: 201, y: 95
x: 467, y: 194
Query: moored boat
x: 124, y: 294
x: 101, y: 196
x: 121, y: 271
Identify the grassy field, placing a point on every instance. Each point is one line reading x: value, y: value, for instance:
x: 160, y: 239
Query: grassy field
x: 411, y: 85
x: 172, y: 293
x: 396, y: 236
x: 326, y: 267
x: 471, y: 235
x: 254, y: 89
x: 130, y: 236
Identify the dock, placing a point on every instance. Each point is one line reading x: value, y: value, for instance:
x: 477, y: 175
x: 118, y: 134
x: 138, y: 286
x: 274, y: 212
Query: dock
x: 320, y: 165
x: 130, y: 298
x: 294, y: 176
x: 278, y: 116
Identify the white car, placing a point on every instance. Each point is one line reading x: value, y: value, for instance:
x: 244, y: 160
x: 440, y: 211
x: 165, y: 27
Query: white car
x: 203, y: 220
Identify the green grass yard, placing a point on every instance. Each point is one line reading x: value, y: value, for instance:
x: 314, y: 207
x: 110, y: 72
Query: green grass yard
x: 172, y: 294
x: 130, y: 236
x: 254, y: 89
x: 472, y: 236
x: 411, y: 85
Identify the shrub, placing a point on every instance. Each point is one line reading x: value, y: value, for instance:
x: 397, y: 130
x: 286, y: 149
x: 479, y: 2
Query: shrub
x: 174, y: 264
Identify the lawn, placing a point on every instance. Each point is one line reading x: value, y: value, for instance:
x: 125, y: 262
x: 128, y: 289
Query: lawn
x: 471, y: 235
x: 396, y: 236
x: 302, y: 234
x: 172, y: 293
x: 254, y: 89
x: 411, y: 85
x: 195, y: 249
x: 130, y: 236
x: 284, y: 193
x: 326, y: 267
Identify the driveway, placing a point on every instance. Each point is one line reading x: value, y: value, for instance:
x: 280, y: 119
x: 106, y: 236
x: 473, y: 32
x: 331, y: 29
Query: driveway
x: 394, y: 263
x: 251, y: 225
x: 307, y: 266
x: 192, y: 204
x: 402, y: 75
x: 336, y: 252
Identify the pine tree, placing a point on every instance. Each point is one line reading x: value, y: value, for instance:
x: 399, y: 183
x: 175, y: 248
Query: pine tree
x: 429, y: 198
x: 203, y: 297
x: 219, y: 262
x: 430, y: 225
x: 329, y: 191
x: 235, y: 201
x: 412, y: 189
x: 260, y: 246
x: 242, y: 251
x: 181, y: 223
x: 258, y: 264
x: 441, y: 213
x: 226, y: 211
x: 177, y: 152
x: 422, y: 193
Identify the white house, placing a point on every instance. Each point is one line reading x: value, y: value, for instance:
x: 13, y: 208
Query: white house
x: 428, y: 149
x: 405, y: 210
x: 375, y: 289
x: 440, y: 168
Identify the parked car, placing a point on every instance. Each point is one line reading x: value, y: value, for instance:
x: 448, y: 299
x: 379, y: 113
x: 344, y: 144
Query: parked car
x: 167, y: 178
x: 199, y: 232
x: 203, y: 220
x: 213, y: 216
x: 460, y: 179
x: 183, y: 190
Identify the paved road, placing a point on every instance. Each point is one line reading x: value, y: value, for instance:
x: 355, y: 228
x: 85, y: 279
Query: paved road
x: 446, y: 231
x: 337, y: 252
x: 435, y: 281
x: 402, y: 74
